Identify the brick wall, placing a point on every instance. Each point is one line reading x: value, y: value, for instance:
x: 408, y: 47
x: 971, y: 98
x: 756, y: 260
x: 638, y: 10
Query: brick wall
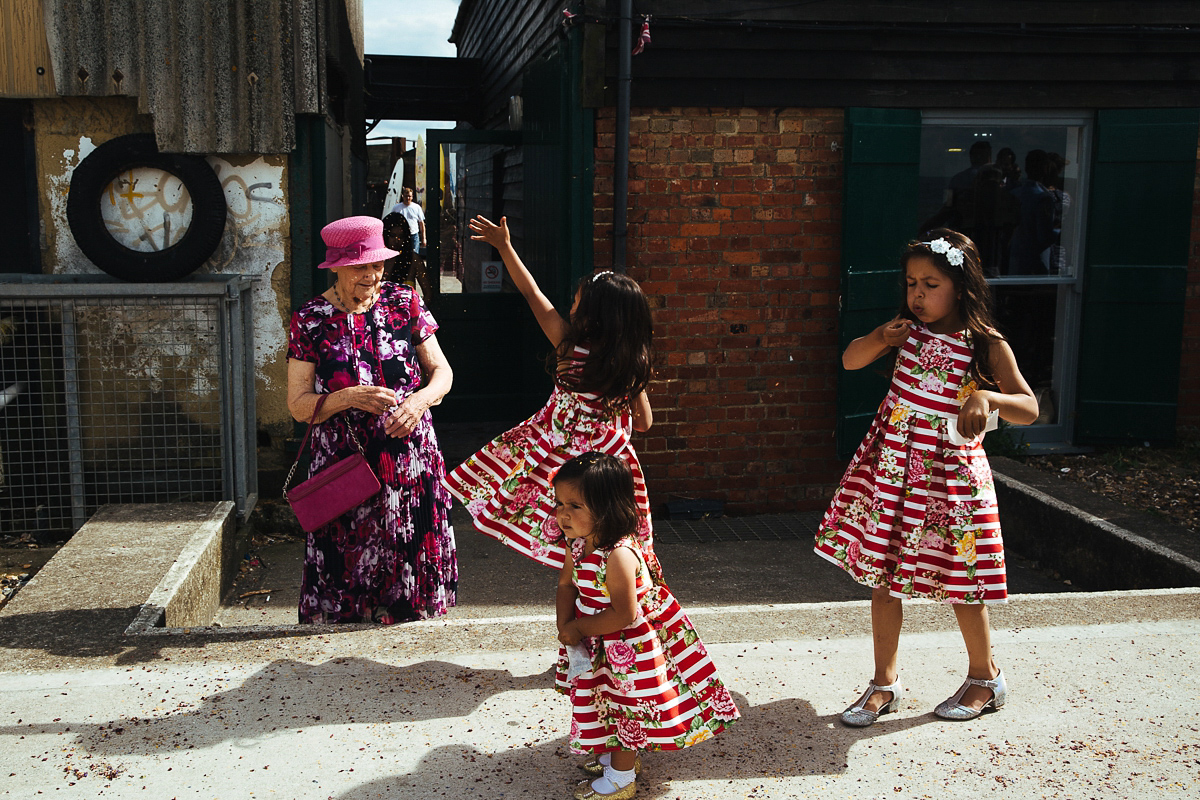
x: 1188, y: 419
x: 734, y: 226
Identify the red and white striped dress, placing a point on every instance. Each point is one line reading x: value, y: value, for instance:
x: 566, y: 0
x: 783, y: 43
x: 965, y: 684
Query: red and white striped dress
x: 914, y: 513
x: 506, y: 486
x: 651, y: 686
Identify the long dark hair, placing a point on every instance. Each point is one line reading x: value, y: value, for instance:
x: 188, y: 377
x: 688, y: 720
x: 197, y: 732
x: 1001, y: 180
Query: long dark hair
x: 606, y: 484
x: 613, y: 322
x: 975, y: 296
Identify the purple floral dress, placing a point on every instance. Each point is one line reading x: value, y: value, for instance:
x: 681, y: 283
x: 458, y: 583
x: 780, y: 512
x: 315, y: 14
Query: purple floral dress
x: 392, y: 559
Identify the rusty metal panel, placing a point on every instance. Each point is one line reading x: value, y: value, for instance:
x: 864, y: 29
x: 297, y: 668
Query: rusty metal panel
x: 225, y: 76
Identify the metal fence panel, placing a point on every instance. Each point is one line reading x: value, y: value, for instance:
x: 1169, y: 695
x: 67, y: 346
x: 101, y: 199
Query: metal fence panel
x: 114, y: 392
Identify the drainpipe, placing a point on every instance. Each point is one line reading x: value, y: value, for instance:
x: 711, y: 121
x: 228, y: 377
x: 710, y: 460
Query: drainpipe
x: 621, y: 150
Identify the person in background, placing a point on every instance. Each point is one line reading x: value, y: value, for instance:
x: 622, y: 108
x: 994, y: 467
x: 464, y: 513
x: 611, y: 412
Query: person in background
x: 414, y: 215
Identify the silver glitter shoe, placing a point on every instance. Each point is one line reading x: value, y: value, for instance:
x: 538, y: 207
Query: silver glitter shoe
x: 858, y: 717
x: 952, y: 708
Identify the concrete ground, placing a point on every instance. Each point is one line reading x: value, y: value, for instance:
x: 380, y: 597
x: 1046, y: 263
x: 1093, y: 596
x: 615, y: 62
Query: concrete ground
x: 1100, y: 686
x: 462, y: 707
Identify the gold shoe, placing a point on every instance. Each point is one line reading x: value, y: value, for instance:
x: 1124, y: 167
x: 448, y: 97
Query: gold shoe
x: 584, y: 791
x: 594, y: 768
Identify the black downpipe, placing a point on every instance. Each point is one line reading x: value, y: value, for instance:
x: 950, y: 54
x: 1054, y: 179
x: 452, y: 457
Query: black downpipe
x: 621, y: 148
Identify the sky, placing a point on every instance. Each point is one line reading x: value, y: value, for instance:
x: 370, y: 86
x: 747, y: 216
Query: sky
x: 409, y: 28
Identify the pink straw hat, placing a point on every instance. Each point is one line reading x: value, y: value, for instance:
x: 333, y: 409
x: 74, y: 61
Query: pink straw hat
x: 354, y: 240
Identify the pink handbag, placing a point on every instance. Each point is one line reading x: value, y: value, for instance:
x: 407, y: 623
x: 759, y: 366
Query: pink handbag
x: 344, y: 485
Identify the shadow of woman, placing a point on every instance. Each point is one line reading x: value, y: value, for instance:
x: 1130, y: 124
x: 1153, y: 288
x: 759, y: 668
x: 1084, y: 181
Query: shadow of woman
x: 287, y: 696
x: 782, y: 739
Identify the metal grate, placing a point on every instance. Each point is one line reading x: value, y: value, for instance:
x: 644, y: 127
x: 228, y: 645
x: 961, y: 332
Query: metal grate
x: 115, y: 392
x: 765, y: 527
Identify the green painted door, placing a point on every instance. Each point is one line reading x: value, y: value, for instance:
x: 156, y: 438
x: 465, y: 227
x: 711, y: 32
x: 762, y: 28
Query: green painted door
x: 1139, y: 235
x: 540, y: 179
x: 879, y: 216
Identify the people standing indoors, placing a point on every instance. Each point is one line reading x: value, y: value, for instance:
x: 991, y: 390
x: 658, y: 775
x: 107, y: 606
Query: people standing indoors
x: 368, y: 347
x: 639, y: 677
x: 915, y: 514
x: 414, y: 215
x: 601, y: 366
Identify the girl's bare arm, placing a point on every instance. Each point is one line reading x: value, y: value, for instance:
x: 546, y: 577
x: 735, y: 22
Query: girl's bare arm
x: 621, y: 582
x: 867, y: 349
x: 643, y: 415
x: 551, y: 322
x: 1012, y: 398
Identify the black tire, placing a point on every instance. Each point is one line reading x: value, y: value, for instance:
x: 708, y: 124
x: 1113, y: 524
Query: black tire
x: 92, y: 177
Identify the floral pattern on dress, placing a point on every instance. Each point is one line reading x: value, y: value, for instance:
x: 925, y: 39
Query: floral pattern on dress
x: 913, y: 513
x: 393, y: 558
x: 506, y: 485
x: 635, y: 695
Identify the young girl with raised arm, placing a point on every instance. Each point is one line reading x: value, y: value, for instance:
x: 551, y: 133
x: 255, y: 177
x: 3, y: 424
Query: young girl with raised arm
x: 601, y: 366
x: 644, y: 680
x: 915, y: 514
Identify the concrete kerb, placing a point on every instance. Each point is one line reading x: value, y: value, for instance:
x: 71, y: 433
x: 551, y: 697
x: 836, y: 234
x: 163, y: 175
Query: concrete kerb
x: 1085, y: 538
x: 190, y: 593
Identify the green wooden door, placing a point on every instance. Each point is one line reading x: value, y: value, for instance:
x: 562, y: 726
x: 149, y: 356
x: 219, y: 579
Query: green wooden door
x: 1139, y: 235
x: 879, y: 216
x: 540, y: 178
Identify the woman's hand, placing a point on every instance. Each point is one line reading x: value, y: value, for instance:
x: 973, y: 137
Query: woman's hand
x: 374, y: 399
x: 570, y: 633
x: 403, y: 420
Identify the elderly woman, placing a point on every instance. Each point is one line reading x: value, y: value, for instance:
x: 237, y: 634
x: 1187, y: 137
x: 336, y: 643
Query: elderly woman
x: 367, y: 344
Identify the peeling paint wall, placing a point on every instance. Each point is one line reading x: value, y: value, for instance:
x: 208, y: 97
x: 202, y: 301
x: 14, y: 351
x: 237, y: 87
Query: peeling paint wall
x: 257, y: 232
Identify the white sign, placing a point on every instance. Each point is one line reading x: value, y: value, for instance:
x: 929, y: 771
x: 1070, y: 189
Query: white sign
x: 491, y: 276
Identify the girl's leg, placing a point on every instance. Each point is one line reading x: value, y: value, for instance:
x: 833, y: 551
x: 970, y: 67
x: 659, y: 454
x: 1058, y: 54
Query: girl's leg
x: 977, y: 634
x: 887, y: 617
x: 623, y: 760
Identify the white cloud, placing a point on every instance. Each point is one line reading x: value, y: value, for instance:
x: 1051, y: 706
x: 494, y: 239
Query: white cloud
x: 409, y: 27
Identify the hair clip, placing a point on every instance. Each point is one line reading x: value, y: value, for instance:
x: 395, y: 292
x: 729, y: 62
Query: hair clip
x: 601, y: 274
x: 952, y: 253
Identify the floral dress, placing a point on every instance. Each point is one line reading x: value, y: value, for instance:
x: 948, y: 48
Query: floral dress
x: 914, y: 513
x: 651, y: 686
x: 506, y: 486
x: 392, y: 559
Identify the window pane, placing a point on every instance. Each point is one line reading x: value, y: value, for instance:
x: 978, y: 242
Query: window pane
x: 1010, y: 187
x: 1028, y: 317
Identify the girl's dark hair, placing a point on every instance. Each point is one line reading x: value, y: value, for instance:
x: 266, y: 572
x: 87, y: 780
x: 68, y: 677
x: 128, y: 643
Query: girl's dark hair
x: 606, y: 484
x: 613, y: 322
x: 975, y: 296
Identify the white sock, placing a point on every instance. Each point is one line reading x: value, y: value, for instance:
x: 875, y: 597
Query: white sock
x: 613, y: 779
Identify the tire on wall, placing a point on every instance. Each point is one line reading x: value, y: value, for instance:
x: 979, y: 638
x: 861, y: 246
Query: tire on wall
x: 89, y: 186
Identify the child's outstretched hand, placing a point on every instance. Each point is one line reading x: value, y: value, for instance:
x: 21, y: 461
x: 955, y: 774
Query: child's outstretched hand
x: 484, y: 230
x: 895, y: 332
x: 569, y: 633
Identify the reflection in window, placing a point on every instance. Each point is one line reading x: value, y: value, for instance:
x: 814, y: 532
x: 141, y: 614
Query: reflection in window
x: 1007, y: 186
x: 1027, y: 315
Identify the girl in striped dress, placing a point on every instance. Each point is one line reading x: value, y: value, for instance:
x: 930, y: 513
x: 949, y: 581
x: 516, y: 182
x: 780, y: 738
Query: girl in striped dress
x: 601, y: 365
x: 915, y: 514
x: 640, y: 678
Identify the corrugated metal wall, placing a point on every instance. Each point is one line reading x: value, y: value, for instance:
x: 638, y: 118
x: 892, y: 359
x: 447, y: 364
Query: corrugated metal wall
x: 223, y: 76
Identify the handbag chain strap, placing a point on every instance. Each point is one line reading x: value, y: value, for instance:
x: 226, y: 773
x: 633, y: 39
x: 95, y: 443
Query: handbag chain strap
x: 317, y: 410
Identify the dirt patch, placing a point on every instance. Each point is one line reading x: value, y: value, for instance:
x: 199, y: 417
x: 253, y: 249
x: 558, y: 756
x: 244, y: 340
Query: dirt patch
x: 1163, y: 481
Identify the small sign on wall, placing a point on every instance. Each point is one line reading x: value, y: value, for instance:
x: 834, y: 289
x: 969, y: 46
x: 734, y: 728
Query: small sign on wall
x: 491, y: 276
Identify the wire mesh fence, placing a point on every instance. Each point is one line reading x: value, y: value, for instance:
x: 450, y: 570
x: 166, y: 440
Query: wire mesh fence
x: 116, y: 392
